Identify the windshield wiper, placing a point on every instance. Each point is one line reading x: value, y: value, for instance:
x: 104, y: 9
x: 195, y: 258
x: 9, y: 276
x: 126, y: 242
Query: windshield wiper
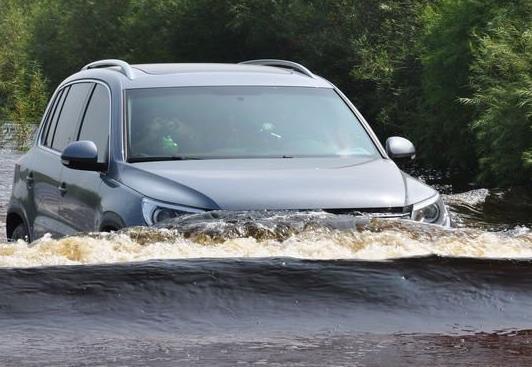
x: 188, y: 158
x: 167, y: 158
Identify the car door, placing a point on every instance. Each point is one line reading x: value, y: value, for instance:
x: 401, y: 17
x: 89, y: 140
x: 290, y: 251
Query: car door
x: 81, y: 205
x: 46, y: 167
x: 42, y: 174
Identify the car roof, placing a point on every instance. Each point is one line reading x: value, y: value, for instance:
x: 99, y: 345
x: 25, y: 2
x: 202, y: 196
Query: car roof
x: 202, y: 74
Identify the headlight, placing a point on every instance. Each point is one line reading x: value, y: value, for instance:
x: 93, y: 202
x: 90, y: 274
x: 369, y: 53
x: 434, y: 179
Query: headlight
x: 431, y: 211
x: 156, y: 211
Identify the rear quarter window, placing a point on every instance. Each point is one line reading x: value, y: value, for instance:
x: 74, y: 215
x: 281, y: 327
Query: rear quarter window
x: 49, y: 129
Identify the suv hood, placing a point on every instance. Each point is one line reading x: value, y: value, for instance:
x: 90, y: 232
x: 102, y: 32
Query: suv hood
x: 292, y: 183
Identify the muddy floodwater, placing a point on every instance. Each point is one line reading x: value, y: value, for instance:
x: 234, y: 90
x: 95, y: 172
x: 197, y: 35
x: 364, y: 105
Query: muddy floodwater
x: 276, y: 289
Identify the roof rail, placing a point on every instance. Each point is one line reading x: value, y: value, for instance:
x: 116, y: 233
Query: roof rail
x: 125, y: 68
x: 281, y: 63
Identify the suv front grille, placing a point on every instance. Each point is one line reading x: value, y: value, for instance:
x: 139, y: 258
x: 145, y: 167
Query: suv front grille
x: 396, y: 212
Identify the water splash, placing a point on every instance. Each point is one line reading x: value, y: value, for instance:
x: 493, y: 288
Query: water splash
x: 200, y: 238
x: 493, y: 210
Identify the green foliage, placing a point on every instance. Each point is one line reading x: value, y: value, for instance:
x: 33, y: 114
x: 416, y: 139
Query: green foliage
x: 65, y: 34
x: 447, y: 45
x: 389, y: 60
x: 13, y: 37
x: 28, y: 96
x: 451, y: 75
x: 23, y: 92
x: 501, y: 78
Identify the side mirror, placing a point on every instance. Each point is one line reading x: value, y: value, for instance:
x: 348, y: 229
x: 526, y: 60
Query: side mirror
x: 397, y: 147
x: 82, y: 155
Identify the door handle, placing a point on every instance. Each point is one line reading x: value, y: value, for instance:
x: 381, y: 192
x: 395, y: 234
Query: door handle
x: 29, y: 180
x: 62, y: 188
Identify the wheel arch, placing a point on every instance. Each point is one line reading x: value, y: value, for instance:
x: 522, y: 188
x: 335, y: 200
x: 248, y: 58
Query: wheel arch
x: 111, y: 222
x: 13, y: 219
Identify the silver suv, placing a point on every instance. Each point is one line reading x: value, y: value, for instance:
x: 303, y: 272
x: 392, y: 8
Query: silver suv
x: 123, y: 145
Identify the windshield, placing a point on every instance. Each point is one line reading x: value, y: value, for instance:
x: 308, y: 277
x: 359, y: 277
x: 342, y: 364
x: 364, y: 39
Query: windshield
x: 242, y: 122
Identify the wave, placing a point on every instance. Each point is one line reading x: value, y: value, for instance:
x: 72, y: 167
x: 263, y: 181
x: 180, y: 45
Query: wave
x: 313, y: 236
x: 250, y: 296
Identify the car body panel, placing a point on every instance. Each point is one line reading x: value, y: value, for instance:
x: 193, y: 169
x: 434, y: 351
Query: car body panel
x: 121, y: 205
x: 44, y: 212
x: 81, y: 201
x: 295, y: 183
x: 163, y: 187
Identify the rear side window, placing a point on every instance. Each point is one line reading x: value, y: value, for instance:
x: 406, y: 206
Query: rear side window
x: 67, y: 124
x: 52, y: 118
x: 95, y: 125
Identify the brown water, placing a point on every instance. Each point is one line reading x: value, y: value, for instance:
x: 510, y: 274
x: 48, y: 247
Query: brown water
x: 276, y: 289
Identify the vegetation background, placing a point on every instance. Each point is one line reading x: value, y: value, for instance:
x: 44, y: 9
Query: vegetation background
x: 454, y: 76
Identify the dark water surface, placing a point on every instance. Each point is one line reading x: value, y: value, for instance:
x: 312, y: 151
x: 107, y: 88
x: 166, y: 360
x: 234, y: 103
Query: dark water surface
x: 286, y: 289
x: 287, y: 311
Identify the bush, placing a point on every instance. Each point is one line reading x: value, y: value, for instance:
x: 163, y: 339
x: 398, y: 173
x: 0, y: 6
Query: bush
x: 501, y: 78
x: 447, y: 45
x: 23, y: 92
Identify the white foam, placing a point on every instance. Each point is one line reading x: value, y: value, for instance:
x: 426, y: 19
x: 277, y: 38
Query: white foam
x: 318, y: 245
